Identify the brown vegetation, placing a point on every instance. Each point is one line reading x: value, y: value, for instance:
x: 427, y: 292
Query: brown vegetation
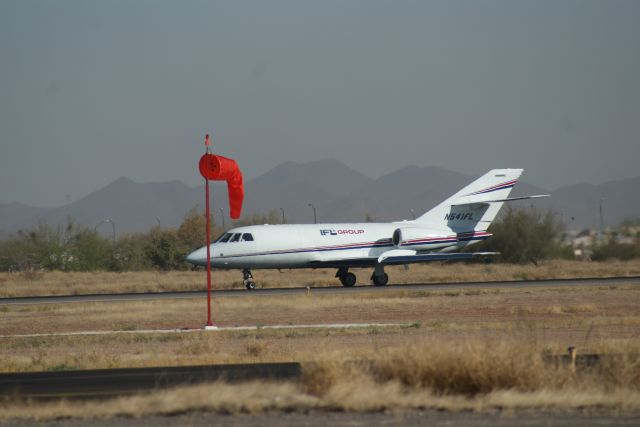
x: 456, y: 350
x: 469, y: 375
x: 591, y: 318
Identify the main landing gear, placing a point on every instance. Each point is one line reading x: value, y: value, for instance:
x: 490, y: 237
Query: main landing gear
x: 347, y: 279
x: 379, y: 277
x: 247, y: 279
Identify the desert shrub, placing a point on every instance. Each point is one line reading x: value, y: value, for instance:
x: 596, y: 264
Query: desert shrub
x: 163, y: 250
x: 614, y: 250
x: 525, y: 236
x: 129, y: 253
x: 86, y: 250
x: 68, y: 248
x: 191, y: 233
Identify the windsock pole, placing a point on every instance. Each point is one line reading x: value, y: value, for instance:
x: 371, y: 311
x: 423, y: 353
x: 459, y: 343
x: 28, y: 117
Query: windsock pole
x: 219, y: 168
x: 207, y: 143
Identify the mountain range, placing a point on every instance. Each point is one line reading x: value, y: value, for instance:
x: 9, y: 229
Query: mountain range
x: 338, y: 193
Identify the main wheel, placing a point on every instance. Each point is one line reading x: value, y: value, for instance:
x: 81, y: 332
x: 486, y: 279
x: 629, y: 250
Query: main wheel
x: 250, y: 284
x: 381, y: 280
x: 348, y: 280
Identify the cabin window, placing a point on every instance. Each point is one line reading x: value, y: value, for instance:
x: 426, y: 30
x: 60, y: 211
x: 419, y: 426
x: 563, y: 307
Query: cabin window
x: 236, y: 237
x: 225, y: 238
x: 247, y: 237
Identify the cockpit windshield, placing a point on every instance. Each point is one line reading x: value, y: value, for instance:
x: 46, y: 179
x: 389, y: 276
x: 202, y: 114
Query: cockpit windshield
x: 223, y: 238
x: 234, y: 237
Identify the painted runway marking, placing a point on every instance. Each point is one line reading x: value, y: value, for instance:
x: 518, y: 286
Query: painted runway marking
x: 219, y: 328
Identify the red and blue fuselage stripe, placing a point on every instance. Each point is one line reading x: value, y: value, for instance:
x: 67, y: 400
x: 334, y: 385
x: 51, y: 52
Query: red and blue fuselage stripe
x: 462, y: 237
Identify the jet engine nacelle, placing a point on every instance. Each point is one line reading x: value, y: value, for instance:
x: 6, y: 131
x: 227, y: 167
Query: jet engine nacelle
x: 420, y: 239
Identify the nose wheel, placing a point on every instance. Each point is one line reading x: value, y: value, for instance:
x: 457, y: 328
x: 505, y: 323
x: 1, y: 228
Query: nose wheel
x: 247, y: 279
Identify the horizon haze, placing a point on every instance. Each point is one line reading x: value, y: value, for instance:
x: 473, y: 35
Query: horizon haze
x: 91, y: 91
x: 345, y: 196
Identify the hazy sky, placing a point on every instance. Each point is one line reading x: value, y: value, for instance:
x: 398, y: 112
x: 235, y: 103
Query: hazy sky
x: 94, y: 90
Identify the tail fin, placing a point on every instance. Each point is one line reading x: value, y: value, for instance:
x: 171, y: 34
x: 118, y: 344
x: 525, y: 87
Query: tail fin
x: 475, y: 206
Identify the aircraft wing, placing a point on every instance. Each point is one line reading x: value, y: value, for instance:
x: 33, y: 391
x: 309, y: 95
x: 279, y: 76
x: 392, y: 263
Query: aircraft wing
x: 401, y: 256
x: 394, y: 257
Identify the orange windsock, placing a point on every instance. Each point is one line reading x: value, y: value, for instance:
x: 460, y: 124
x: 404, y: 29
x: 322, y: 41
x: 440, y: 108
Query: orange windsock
x: 219, y: 168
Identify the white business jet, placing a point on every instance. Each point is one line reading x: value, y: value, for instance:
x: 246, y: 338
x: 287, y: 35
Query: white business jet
x: 457, y: 222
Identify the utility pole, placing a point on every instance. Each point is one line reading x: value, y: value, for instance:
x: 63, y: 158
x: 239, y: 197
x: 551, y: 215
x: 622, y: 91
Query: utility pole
x: 601, y: 220
x: 113, y: 227
x: 315, y: 218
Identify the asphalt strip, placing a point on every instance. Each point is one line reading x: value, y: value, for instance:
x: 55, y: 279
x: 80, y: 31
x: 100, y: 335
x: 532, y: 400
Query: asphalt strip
x: 212, y: 329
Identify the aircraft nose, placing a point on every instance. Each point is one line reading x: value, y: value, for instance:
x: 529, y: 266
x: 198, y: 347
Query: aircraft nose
x: 197, y: 257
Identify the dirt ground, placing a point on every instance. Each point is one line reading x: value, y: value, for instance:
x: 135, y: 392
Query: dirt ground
x: 529, y: 321
x: 555, y: 318
x: 444, y: 310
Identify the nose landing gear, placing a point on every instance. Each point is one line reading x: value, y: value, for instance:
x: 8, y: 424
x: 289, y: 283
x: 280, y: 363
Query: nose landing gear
x: 247, y: 279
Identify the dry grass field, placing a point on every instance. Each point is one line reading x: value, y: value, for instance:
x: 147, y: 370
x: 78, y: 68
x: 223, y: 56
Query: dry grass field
x: 60, y: 283
x: 593, y: 319
x: 454, y: 350
x: 467, y: 376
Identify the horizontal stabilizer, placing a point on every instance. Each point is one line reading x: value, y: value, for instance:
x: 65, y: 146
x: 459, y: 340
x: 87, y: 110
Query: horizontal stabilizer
x: 406, y: 259
x: 469, y: 200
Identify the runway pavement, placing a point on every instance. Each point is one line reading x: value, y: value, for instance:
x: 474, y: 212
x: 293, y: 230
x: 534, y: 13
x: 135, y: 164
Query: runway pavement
x: 552, y: 283
x: 115, y: 382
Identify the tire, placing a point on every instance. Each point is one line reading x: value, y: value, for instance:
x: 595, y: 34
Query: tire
x: 348, y: 280
x: 381, y: 280
x: 250, y: 285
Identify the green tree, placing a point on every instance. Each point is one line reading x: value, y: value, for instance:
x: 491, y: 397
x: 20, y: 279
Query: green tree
x: 129, y: 253
x: 19, y: 253
x: 86, y: 250
x: 525, y: 236
x: 163, y: 250
x: 61, y: 248
x: 191, y: 233
x: 615, y: 250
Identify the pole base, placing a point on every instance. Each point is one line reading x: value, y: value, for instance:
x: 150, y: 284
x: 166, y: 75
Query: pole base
x: 210, y: 327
